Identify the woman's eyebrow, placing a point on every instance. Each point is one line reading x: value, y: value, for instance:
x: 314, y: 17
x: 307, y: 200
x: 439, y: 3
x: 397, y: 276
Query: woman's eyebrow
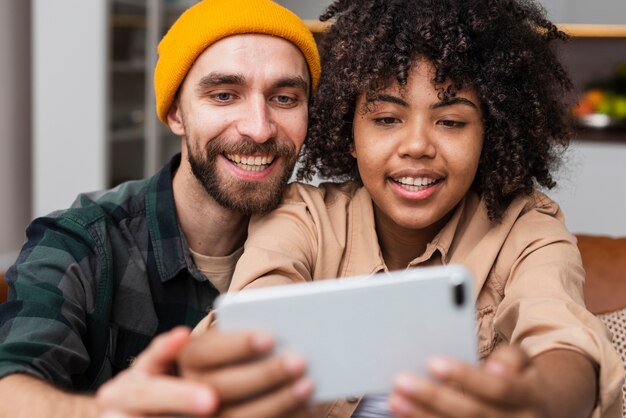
x: 454, y: 101
x: 389, y: 99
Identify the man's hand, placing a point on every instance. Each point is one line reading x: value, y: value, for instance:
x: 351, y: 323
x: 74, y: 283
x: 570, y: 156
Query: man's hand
x: 149, y: 386
x: 559, y: 383
x: 248, y: 382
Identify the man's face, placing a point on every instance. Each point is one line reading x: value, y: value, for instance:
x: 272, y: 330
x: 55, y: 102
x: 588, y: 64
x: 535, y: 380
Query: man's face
x: 242, y: 112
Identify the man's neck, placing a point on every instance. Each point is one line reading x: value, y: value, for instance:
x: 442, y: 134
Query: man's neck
x: 209, y: 228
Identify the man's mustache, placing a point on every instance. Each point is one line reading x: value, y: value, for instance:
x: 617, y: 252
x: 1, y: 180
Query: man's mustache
x: 247, y: 146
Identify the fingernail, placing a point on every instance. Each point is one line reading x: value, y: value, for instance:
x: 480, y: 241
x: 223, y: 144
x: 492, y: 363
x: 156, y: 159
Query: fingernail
x: 496, y: 367
x: 408, y: 383
x: 438, y: 366
x: 399, y: 405
x: 303, y: 388
x: 262, y: 342
x: 204, y: 401
x: 294, y: 365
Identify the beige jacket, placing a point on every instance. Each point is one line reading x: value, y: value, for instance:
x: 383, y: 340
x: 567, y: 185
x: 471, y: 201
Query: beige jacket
x: 527, y: 270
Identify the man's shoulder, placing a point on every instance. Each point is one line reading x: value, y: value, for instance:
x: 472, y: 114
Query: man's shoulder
x: 91, y: 219
x: 124, y: 200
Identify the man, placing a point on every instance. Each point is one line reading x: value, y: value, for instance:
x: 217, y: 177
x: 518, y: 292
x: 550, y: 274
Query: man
x: 95, y: 284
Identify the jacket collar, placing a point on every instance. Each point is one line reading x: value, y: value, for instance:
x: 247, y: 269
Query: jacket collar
x: 168, y: 242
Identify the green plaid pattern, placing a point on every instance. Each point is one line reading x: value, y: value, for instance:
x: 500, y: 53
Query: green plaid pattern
x: 95, y: 283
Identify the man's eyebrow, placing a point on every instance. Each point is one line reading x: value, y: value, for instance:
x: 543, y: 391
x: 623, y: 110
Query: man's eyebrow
x: 454, y: 101
x: 296, y: 82
x: 217, y: 79
x: 389, y: 99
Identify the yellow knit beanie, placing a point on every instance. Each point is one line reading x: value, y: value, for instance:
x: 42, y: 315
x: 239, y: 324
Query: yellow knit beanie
x: 211, y: 20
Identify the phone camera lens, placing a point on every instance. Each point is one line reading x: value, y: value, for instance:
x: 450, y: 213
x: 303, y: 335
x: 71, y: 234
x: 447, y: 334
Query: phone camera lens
x: 459, y: 294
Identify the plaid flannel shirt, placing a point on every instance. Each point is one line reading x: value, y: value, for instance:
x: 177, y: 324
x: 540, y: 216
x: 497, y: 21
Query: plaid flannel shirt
x: 95, y: 283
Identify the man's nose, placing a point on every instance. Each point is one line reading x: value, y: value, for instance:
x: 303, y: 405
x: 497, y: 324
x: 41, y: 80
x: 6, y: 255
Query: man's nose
x: 257, y: 123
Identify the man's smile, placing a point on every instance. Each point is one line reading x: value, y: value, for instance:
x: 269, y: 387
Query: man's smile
x: 251, y: 162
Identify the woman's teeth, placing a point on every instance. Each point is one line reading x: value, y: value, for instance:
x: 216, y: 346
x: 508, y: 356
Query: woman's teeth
x: 415, y: 183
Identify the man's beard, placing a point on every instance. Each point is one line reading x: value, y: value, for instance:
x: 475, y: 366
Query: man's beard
x: 239, y: 195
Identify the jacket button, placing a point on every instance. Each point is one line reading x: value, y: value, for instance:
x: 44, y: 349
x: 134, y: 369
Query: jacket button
x: 352, y: 399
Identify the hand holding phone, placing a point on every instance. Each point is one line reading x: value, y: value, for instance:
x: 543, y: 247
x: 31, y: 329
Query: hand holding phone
x: 358, y: 333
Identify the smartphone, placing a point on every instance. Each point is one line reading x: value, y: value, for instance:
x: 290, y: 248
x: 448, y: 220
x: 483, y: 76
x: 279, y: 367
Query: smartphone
x: 357, y: 333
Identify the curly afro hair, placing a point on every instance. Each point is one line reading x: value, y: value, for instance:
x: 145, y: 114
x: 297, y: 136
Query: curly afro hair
x: 503, y: 49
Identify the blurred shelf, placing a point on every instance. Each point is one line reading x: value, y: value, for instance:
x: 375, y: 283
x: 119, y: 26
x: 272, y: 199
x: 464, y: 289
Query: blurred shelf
x: 316, y: 26
x: 593, y: 31
x: 133, y: 3
x: 573, y: 29
x: 178, y: 6
x: 128, y: 66
x: 600, y: 135
x: 127, y: 21
x: 133, y: 133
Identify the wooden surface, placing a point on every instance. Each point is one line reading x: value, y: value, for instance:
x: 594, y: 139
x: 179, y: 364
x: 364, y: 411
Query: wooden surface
x: 3, y: 288
x: 604, y: 260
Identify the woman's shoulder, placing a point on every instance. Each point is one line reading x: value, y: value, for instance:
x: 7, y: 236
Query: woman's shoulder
x: 534, y: 220
x: 536, y: 207
x: 323, y: 194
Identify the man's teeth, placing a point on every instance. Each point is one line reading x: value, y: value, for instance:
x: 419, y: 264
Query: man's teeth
x: 251, y: 162
x: 415, y: 183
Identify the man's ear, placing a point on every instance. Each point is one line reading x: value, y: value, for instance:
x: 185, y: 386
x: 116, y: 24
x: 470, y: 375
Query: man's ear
x: 174, y: 119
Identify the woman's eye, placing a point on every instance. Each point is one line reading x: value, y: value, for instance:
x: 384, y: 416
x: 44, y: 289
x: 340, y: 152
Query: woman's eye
x: 386, y: 121
x: 452, y: 123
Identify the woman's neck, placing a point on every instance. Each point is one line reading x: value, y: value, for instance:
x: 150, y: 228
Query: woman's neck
x: 400, y: 245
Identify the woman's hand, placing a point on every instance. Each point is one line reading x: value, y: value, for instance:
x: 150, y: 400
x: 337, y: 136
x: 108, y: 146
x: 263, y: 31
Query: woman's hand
x: 508, y: 384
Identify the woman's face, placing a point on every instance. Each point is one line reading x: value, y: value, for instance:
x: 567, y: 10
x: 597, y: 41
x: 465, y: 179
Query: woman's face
x: 417, y: 155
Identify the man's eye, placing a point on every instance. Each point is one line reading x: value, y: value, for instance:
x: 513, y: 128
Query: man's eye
x: 284, y: 100
x: 223, y: 96
x: 452, y: 123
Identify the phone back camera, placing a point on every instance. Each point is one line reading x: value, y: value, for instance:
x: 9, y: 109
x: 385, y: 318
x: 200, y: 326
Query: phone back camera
x: 459, y: 294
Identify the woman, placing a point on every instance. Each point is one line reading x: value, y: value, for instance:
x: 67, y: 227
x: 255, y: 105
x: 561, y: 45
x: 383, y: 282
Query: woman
x: 445, y: 116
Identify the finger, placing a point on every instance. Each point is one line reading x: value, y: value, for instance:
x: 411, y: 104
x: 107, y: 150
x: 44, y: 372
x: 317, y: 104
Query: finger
x: 507, y: 360
x: 505, y: 387
x: 214, y: 348
x: 130, y: 395
x: 280, y: 403
x: 402, y: 407
x: 161, y: 354
x: 414, y: 395
x: 247, y: 380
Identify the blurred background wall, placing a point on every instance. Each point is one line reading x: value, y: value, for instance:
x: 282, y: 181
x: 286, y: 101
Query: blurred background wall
x: 61, y: 80
x: 15, y: 126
